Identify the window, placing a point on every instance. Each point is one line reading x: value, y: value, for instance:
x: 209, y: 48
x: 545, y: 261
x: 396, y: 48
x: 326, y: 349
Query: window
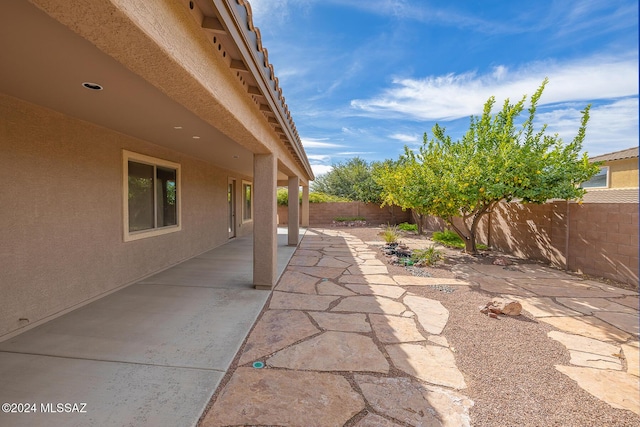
x: 599, y: 180
x: 247, y: 201
x: 151, y: 196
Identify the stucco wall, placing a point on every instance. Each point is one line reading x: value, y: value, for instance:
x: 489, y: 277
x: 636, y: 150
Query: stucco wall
x: 61, y: 213
x: 623, y: 173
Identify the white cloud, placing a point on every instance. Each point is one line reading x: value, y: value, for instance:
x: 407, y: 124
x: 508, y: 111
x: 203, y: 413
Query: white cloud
x: 316, y: 143
x: 406, y: 138
x: 320, y: 169
x: 323, y: 158
x: 455, y: 96
x: 611, y: 127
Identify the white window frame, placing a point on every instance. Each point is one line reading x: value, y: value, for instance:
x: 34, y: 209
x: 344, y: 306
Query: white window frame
x: 608, y: 177
x: 143, y: 234
x: 244, y: 219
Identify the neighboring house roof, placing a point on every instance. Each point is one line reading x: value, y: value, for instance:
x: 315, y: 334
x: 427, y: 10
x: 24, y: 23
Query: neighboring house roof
x: 629, y: 153
x: 612, y: 195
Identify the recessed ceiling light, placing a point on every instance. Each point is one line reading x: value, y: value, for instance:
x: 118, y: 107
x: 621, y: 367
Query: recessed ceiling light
x: 177, y: 127
x: 92, y: 86
x: 195, y: 137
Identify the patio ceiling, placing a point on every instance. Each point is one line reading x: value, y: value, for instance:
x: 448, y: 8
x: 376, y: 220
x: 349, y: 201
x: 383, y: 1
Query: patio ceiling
x: 46, y: 63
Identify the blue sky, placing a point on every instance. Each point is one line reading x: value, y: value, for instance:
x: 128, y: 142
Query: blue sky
x: 367, y: 77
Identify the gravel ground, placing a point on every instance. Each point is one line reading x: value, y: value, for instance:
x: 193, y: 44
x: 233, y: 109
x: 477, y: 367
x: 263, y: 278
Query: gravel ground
x: 508, y: 363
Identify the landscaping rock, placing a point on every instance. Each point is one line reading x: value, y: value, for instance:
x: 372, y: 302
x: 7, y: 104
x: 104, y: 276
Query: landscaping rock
x: 502, y: 306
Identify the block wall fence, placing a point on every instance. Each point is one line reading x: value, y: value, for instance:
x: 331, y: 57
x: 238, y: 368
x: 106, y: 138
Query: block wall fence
x: 325, y: 213
x: 599, y: 239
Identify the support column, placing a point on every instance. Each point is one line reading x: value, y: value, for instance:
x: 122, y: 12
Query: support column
x: 265, y: 227
x: 294, y: 211
x: 305, y: 206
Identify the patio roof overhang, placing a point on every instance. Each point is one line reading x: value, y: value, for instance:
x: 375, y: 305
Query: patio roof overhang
x: 151, y: 89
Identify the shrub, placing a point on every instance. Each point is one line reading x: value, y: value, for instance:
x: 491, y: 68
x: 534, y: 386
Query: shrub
x: 405, y: 226
x: 349, y: 218
x: 390, y: 234
x: 452, y: 240
x: 314, y: 197
x: 428, y: 256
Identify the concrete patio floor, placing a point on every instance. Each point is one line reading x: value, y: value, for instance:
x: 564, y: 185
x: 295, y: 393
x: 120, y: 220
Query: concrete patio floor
x: 151, y: 354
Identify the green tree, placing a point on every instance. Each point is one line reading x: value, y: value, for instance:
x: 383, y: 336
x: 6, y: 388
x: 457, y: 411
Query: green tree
x: 461, y: 181
x: 352, y: 180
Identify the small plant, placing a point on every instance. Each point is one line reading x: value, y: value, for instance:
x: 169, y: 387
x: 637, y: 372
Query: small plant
x: 429, y: 256
x: 405, y: 226
x: 452, y: 240
x: 349, y: 218
x: 390, y: 234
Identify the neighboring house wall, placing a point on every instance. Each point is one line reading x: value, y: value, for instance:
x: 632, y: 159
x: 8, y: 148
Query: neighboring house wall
x: 62, y: 213
x: 325, y: 213
x: 623, y: 173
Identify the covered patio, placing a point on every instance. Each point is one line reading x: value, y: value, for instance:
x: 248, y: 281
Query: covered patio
x: 152, y: 353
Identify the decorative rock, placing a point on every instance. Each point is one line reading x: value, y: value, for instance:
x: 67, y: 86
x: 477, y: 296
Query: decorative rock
x: 502, y: 261
x: 432, y: 315
x: 435, y: 365
x: 332, y: 351
x: 288, y: 301
x: 276, y: 330
x: 392, y: 329
x: 263, y: 396
x: 503, y: 306
x: 625, y: 394
x: 370, y: 304
x: 414, y: 403
x: 355, y: 322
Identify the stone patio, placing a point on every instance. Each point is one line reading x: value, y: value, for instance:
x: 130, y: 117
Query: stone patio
x: 343, y: 342
x: 341, y: 332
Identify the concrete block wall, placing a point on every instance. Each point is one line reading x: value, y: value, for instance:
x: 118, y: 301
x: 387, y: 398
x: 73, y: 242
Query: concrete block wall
x: 325, y: 213
x: 599, y: 239
x: 603, y: 240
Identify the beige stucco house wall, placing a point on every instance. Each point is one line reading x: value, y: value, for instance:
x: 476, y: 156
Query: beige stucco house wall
x: 186, y: 83
x: 618, y: 170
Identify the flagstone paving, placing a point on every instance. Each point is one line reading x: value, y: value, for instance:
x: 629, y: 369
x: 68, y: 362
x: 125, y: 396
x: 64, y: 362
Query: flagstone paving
x: 343, y: 342
x: 344, y: 323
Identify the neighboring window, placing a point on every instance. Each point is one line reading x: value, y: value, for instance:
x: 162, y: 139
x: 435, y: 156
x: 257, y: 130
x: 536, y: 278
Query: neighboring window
x: 247, y: 201
x: 599, y: 180
x: 152, y: 194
